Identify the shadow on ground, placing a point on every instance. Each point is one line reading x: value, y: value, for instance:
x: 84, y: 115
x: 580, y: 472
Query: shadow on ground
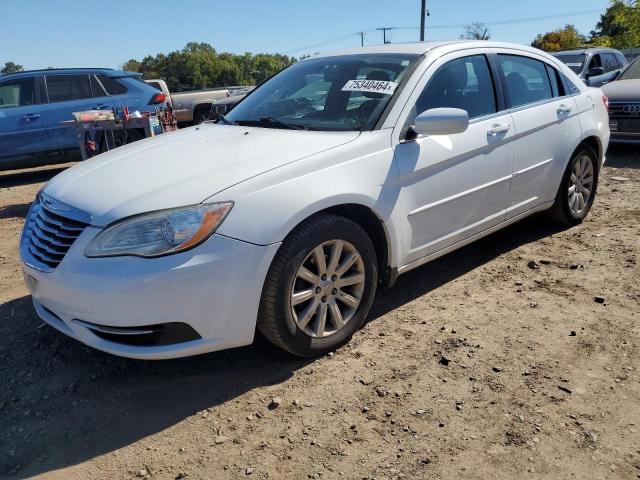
x: 623, y: 156
x: 28, y: 177
x: 63, y: 403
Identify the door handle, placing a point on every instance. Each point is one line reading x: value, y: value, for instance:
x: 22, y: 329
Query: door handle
x: 564, y: 108
x: 30, y: 116
x: 100, y: 106
x: 499, y: 128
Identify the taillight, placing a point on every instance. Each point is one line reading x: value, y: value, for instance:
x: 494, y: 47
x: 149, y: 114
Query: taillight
x: 158, y: 98
x: 605, y: 100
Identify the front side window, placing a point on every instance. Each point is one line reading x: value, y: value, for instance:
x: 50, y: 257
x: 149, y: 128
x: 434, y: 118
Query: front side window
x: 596, y: 61
x: 335, y: 93
x: 17, y: 93
x: 63, y: 88
x: 609, y: 62
x: 463, y: 83
x: 526, y: 80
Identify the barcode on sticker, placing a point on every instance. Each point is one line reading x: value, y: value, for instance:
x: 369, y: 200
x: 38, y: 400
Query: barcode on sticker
x: 373, y: 86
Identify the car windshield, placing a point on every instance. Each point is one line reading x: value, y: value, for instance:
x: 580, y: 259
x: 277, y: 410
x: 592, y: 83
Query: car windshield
x: 574, y: 62
x: 334, y: 93
x: 632, y: 72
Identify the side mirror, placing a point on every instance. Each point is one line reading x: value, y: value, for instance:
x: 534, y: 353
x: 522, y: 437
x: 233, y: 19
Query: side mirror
x: 441, y: 121
x: 596, y: 72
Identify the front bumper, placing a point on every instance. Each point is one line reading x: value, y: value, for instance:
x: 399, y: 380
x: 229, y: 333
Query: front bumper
x: 214, y: 288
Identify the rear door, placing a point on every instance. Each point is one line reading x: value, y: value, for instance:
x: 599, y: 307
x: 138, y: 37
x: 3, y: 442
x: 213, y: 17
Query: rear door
x: 21, y: 124
x: 68, y: 94
x: 546, y: 129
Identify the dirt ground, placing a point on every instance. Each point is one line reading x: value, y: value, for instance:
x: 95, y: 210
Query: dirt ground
x: 474, y: 366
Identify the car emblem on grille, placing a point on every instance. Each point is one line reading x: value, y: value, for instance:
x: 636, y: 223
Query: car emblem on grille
x: 631, y: 108
x: 52, y: 204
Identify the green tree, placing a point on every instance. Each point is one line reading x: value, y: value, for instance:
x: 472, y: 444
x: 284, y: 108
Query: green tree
x: 619, y: 25
x: 131, y: 66
x: 199, y: 65
x: 476, y: 31
x: 10, y: 67
x: 561, y: 39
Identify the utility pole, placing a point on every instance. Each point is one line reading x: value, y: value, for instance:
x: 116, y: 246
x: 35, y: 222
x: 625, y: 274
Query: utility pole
x: 423, y: 13
x: 384, y: 32
x: 361, y: 39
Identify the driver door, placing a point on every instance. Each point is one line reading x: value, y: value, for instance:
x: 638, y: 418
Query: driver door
x: 453, y: 187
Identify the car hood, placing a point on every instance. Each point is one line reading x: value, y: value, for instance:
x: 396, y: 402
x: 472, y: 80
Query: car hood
x: 182, y: 168
x: 622, y: 90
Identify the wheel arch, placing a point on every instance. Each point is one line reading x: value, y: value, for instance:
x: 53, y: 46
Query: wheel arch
x: 372, y: 224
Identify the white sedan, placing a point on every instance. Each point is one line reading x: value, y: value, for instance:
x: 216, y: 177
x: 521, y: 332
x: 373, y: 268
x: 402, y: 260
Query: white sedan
x: 329, y: 180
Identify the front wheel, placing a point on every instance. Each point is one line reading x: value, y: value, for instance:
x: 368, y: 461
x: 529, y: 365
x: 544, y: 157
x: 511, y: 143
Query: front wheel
x: 578, y: 188
x: 320, y: 286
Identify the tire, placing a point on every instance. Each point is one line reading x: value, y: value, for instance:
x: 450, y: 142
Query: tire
x: 201, y: 115
x: 567, y: 208
x: 294, y: 286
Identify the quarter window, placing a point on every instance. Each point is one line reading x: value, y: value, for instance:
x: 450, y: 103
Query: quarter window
x: 62, y: 88
x: 526, y: 80
x: 113, y: 87
x: 17, y: 93
x: 96, y: 88
x: 463, y: 83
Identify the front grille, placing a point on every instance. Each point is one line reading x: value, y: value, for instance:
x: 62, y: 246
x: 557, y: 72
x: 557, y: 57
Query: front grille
x: 624, y: 110
x: 48, y: 236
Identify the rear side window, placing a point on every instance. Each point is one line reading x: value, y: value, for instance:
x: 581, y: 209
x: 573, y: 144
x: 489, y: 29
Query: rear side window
x: 526, y: 80
x: 556, y: 84
x: 112, y: 86
x: 609, y: 62
x: 622, y: 61
x: 464, y: 83
x: 63, y: 88
x: 96, y: 88
x: 17, y: 93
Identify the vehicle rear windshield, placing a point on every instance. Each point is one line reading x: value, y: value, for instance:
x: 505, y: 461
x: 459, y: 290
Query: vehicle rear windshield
x: 632, y: 72
x: 574, y: 62
x: 334, y: 93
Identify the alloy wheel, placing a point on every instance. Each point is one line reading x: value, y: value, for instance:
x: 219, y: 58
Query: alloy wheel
x: 580, y: 184
x: 327, y: 289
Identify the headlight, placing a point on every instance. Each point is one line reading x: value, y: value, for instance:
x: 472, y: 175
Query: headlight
x: 159, y: 233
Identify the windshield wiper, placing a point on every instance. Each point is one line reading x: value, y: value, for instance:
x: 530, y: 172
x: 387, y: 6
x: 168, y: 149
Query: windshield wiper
x: 270, y: 122
x: 223, y: 119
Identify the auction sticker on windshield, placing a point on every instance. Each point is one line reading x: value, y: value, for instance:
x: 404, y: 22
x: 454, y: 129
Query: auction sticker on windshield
x: 373, y: 86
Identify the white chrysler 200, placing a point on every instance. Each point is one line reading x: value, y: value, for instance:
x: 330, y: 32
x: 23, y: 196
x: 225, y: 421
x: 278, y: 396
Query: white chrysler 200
x: 332, y: 178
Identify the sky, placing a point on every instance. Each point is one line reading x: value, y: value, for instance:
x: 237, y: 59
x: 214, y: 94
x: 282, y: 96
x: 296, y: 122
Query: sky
x: 77, y: 33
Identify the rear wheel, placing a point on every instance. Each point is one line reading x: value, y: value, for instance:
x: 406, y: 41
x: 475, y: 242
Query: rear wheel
x: 320, y: 286
x: 578, y: 188
x: 201, y: 115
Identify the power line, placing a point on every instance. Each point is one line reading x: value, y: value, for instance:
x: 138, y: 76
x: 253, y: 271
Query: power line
x: 443, y: 27
x: 508, y: 22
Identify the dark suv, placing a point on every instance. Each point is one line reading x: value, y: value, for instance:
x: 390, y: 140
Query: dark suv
x: 34, y: 104
x: 595, y: 66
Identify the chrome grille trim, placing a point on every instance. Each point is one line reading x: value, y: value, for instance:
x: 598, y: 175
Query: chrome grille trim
x: 50, y: 229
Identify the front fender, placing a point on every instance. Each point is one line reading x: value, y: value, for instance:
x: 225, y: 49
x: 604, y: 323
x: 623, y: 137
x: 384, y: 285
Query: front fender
x: 268, y: 207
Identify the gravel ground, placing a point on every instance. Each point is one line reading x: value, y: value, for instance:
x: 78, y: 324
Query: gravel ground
x: 474, y: 366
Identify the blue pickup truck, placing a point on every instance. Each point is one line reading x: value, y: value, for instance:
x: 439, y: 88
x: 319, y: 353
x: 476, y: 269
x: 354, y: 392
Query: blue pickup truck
x: 34, y: 104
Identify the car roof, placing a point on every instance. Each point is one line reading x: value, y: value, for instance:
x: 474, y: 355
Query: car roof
x: 582, y: 51
x: 61, y: 71
x: 421, y: 48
